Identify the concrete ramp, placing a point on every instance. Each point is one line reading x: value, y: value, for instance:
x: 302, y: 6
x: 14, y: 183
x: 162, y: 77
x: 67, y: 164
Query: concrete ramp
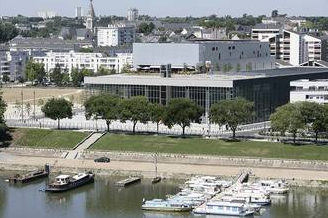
x: 85, y: 144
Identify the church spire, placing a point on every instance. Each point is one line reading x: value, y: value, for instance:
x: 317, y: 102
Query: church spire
x: 91, y: 11
x: 91, y: 16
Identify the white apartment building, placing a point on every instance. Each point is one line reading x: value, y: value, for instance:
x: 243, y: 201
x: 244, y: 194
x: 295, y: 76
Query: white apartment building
x: 115, y: 35
x: 295, y: 48
x: 133, y: 14
x: 78, y: 12
x: 306, y: 90
x: 47, y: 14
x: 91, y: 61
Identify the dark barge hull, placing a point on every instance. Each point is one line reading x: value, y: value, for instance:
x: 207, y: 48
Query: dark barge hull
x: 29, y: 178
x: 70, y: 186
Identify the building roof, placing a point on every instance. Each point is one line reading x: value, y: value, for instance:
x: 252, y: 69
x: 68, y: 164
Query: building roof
x: 267, y: 26
x: 200, y: 80
x: 47, y: 43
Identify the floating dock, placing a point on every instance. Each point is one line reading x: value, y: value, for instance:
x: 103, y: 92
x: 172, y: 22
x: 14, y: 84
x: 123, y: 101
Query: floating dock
x: 128, y: 181
x: 241, y: 178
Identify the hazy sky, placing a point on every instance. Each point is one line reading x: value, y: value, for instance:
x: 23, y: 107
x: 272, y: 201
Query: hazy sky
x: 169, y: 7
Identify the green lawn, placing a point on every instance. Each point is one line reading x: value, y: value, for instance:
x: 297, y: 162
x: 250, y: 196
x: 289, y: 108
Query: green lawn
x: 165, y: 144
x: 40, y: 138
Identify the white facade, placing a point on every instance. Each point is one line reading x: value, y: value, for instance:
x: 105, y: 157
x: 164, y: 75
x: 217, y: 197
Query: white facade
x: 78, y: 12
x: 312, y: 91
x: 289, y: 46
x: 133, y: 14
x: 47, y: 14
x: 91, y: 61
x: 115, y: 35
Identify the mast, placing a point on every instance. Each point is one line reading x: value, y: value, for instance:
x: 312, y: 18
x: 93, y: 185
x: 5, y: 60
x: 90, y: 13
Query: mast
x: 155, y: 165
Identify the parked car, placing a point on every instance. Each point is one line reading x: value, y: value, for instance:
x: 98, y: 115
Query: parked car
x: 102, y: 160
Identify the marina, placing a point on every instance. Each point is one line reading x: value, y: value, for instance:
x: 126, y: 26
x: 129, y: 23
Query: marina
x: 103, y: 199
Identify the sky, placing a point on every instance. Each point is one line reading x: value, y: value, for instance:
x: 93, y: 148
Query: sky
x: 161, y: 8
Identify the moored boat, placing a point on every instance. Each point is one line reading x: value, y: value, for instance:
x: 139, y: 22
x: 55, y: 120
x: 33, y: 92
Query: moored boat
x: 224, y: 208
x: 166, y: 206
x: 64, y: 183
x: 30, y: 177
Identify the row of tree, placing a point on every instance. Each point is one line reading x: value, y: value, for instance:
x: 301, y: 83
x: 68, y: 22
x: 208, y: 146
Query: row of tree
x: 178, y: 111
x: 36, y: 72
x: 300, y: 117
x: 138, y: 109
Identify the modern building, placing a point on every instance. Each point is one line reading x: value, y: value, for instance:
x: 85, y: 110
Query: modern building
x: 12, y: 64
x: 91, y: 61
x: 90, y: 18
x: 306, y: 90
x: 224, y: 55
x: 78, y: 12
x: 268, y: 89
x: 133, y: 14
x: 289, y: 46
x: 116, y: 35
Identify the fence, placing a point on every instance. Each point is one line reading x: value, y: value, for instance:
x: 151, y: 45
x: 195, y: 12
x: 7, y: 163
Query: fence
x: 79, y: 123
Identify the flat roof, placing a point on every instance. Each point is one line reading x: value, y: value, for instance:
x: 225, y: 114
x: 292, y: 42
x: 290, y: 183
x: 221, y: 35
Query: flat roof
x: 217, y: 79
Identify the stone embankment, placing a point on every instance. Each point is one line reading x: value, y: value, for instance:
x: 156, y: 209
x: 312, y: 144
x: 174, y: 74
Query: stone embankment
x: 297, y: 172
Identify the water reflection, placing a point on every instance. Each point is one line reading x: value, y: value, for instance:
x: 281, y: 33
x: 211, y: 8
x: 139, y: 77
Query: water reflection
x: 104, y: 200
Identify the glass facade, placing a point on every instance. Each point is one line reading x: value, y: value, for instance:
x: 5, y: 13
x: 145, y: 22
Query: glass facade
x: 267, y: 93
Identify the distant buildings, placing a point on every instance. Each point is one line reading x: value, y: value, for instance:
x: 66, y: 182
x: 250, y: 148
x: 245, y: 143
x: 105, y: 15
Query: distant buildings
x: 116, y: 35
x: 37, y: 46
x: 133, y: 14
x: 12, y: 64
x: 312, y: 91
x: 92, y: 61
x: 75, y: 34
x: 226, y: 55
x: 47, y: 14
x: 289, y: 46
x: 78, y: 12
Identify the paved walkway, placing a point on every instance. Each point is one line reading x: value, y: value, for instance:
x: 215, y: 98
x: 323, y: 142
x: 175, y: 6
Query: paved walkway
x: 87, y: 143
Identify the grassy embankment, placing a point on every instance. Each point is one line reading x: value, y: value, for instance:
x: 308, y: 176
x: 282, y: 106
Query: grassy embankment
x: 166, y: 144
x: 40, y: 138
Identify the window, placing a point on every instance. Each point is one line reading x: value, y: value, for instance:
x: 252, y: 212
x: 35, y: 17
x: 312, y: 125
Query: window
x: 233, y: 47
x: 229, y: 47
x: 213, y: 48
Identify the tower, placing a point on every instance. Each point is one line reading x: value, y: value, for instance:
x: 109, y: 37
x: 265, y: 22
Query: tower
x: 90, y: 19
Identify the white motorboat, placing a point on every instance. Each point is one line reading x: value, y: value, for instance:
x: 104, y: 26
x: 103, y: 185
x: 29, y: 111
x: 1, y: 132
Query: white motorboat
x: 224, y: 208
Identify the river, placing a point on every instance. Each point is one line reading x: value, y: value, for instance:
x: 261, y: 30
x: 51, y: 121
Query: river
x: 104, y: 200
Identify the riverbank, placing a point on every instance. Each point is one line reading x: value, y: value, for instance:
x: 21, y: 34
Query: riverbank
x: 169, y: 166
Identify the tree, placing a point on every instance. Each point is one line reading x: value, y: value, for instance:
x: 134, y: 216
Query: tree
x: 34, y: 71
x: 7, y: 32
x: 288, y: 118
x: 5, y: 78
x: 232, y: 113
x: 146, y: 28
x: 135, y: 109
x: 57, y: 109
x: 57, y: 76
x: 104, y: 106
x: 156, y: 114
x: 182, y: 112
x: 315, y: 117
x: 3, y: 127
x: 78, y: 75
